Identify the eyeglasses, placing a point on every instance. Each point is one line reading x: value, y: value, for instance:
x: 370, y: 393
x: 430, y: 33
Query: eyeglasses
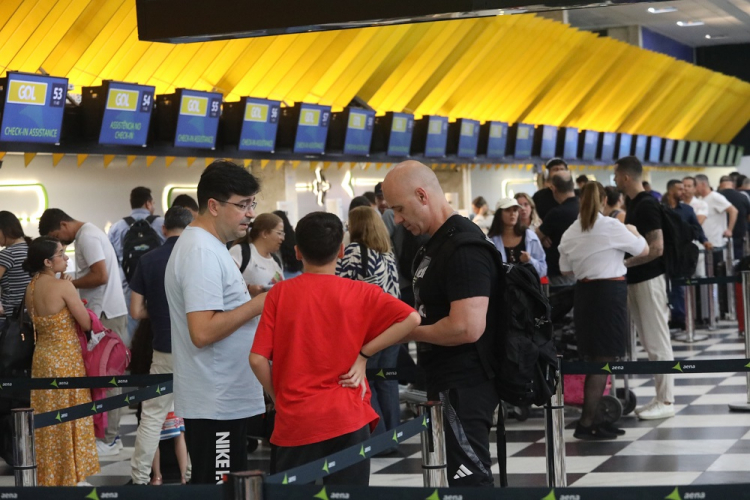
x: 242, y: 206
x: 280, y: 233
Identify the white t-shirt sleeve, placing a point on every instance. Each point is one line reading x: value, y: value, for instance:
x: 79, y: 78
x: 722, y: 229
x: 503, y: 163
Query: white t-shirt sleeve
x: 624, y: 240
x: 236, y: 253
x: 701, y: 208
x: 720, y: 202
x: 202, y: 282
x: 90, y: 248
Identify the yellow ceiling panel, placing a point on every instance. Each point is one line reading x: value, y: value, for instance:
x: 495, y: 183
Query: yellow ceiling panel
x: 8, y: 9
x: 19, y: 27
x: 181, y: 57
x: 266, y: 60
x: 192, y: 75
x: 237, y: 61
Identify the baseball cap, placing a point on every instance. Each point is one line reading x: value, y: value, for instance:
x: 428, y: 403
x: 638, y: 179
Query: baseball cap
x: 506, y: 203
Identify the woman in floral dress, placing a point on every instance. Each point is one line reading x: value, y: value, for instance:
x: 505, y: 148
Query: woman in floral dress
x: 66, y: 452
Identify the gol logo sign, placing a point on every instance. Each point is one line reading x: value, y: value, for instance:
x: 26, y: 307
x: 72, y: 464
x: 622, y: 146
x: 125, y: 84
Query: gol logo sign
x: 124, y: 100
x: 256, y: 113
x: 194, y: 106
x: 309, y: 117
x: 21, y: 92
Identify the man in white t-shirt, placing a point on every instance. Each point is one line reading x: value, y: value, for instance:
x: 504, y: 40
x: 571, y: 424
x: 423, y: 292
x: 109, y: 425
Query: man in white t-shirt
x: 98, y: 281
x: 210, y: 309
x: 716, y: 225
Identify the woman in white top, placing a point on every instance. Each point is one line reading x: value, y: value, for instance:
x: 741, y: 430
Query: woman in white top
x: 593, y: 249
x: 253, y: 254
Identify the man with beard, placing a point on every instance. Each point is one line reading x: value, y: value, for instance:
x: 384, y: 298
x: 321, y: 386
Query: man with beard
x: 209, y: 308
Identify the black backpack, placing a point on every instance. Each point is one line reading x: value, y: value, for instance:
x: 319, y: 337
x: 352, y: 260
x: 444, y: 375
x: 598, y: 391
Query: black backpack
x: 140, y: 239
x: 245, y: 248
x: 524, y: 359
x: 680, y: 253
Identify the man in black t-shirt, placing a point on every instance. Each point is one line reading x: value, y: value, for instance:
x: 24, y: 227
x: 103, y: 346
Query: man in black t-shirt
x: 544, y: 199
x: 742, y: 203
x: 557, y: 221
x: 456, y: 294
x: 647, y: 286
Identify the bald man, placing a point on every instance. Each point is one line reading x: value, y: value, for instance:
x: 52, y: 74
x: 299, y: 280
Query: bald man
x: 454, y: 293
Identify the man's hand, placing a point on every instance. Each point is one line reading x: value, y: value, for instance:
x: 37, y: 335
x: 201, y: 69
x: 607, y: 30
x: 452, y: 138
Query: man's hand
x: 727, y: 233
x: 525, y: 257
x: 708, y: 246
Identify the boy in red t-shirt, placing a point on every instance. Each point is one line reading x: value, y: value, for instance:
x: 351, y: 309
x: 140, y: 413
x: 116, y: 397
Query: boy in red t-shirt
x: 319, y: 329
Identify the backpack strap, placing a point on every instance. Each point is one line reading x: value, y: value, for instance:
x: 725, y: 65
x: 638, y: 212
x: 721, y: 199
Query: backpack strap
x: 245, y: 247
x: 129, y: 220
x: 364, y: 261
x: 151, y: 218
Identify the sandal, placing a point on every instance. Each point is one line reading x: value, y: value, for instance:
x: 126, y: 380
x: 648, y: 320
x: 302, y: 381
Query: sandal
x: 156, y: 481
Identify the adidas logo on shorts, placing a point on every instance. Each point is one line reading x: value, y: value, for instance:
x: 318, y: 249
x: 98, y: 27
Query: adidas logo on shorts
x: 463, y: 471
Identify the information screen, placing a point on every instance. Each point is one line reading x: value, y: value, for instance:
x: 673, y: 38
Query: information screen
x: 640, y: 147
x: 127, y: 114
x: 198, y: 120
x: 608, y: 146
x: 668, y: 151
x: 524, y: 140
x: 702, y: 153
x: 549, y: 141
x: 692, y: 153
x: 498, y: 140
x: 626, y: 144
x: 722, y: 158
x: 359, y: 132
x: 312, y: 129
x: 259, y: 125
x: 570, y: 149
x: 468, y: 139
x: 589, y: 145
x: 437, y: 136
x: 654, y: 154
x: 399, y: 143
x: 34, y: 108
x: 679, y: 153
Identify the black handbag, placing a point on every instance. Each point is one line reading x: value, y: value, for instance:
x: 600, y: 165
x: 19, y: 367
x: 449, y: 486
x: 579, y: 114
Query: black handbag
x: 16, y: 342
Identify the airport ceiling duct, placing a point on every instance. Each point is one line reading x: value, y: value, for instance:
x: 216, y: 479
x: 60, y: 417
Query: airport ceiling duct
x: 185, y: 21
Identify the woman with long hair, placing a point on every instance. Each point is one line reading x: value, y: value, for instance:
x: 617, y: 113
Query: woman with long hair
x: 13, y: 279
x: 254, y: 254
x: 369, y: 258
x: 292, y: 267
x: 527, y: 209
x: 593, y: 249
x: 516, y: 243
x: 66, y: 452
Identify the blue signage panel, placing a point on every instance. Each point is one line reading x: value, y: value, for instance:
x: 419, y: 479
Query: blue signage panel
x: 590, y: 140
x: 437, y: 136
x: 570, y: 150
x: 654, y: 154
x: 549, y: 141
x: 498, y: 140
x: 640, y: 147
x: 468, y: 138
x: 668, y: 153
x: 399, y: 142
x: 34, y: 108
x: 626, y: 144
x: 198, y: 120
x: 608, y: 146
x: 359, y: 132
x: 312, y: 128
x: 259, y: 125
x: 524, y: 140
x: 127, y: 114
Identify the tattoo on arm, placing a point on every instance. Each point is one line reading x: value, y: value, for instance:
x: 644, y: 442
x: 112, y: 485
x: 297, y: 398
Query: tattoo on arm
x: 655, y: 240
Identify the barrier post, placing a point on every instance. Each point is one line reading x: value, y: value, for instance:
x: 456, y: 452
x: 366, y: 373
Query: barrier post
x: 434, y: 462
x: 554, y: 429
x: 689, y: 336
x: 745, y: 406
x: 729, y: 260
x: 712, y: 295
x: 24, y: 451
x: 246, y: 485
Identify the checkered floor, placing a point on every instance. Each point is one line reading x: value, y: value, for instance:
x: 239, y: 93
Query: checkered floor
x: 705, y: 443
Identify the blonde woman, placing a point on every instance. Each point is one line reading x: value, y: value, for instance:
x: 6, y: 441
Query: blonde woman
x: 369, y: 258
x: 528, y: 215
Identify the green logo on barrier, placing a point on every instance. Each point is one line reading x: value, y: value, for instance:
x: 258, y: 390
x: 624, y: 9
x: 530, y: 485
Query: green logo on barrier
x: 677, y: 367
x: 424, y: 420
x: 550, y: 496
x: 54, y: 383
x: 113, y: 382
x: 58, y: 417
x: 747, y: 365
x: 675, y: 495
x: 93, y: 495
x: 362, y: 451
x: 93, y: 407
x: 322, y: 495
x: 158, y: 390
x: 380, y: 374
x: 434, y: 496
x: 395, y: 437
x: 286, y: 480
x: 606, y: 368
x: 325, y: 467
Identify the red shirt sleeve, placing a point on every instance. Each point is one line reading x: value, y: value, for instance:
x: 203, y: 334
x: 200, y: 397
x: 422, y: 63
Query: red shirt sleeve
x: 263, y: 342
x: 382, y: 311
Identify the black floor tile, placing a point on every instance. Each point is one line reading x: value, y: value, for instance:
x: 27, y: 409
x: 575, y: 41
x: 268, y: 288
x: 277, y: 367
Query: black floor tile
x: 633, y: 422
x: 741, y: 446
x: 657, y: 463
x: 696, y: 433
x: 405, y: 466
x: 577, y: 448
x: 523, y: 436
x: 533, y: 480
x: 704, y: 410
x: 729, y: 389
x: 723, y: 478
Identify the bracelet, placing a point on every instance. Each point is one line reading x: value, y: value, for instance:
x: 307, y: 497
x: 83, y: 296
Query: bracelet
x: 364, y: 355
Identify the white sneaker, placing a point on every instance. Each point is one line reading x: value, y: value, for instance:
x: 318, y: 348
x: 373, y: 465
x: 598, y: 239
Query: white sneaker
x: 645, y: 407
x: 657, y: 411
x: 83, y: 483
x: 109, y: 449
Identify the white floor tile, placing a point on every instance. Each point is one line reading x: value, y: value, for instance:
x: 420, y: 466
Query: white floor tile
x: 731, y: 463
x: 679, y: 390
x: 727, y: 347
x: 736, y: 380
x: 538, y: 465
x: 378, y: 464
x: 396, y: 480
x: 746, y: 436
x: 721, y: 399
x: 707, y: 421
x: 678, y: 447
x: 639, y: 479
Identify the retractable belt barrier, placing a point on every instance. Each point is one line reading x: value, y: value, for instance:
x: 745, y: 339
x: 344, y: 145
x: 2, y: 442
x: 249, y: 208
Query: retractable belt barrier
x: 107, y: 382
x: 716, y: 280
x: 195, y: 492
x: 656, y: 367
x: 404, y: 373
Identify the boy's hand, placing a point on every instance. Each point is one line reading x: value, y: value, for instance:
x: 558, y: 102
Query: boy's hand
x: 355, y: 377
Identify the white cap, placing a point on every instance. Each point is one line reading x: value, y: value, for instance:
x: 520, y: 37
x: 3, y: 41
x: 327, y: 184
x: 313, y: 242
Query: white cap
x: 506, y: 203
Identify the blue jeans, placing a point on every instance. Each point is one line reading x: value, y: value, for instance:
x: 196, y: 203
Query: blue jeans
x: 677, y: 303
x: 385, y: 400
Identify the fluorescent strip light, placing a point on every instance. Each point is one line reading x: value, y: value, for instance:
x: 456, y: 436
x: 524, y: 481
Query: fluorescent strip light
x: 661, y: 10
x: 716, y: 37
x: 690, y: 23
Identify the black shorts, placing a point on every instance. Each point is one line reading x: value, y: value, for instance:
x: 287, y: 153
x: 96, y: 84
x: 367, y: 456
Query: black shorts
x: 216, y: 448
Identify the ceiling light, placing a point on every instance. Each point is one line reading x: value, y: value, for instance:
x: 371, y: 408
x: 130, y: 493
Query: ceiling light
x: 690, y: 23
x: 661, y: 10
x: 716, y: 37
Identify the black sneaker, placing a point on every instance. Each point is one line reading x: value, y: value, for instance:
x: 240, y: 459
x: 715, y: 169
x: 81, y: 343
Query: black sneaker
x: 612, y: 428
x: 593, y: 433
